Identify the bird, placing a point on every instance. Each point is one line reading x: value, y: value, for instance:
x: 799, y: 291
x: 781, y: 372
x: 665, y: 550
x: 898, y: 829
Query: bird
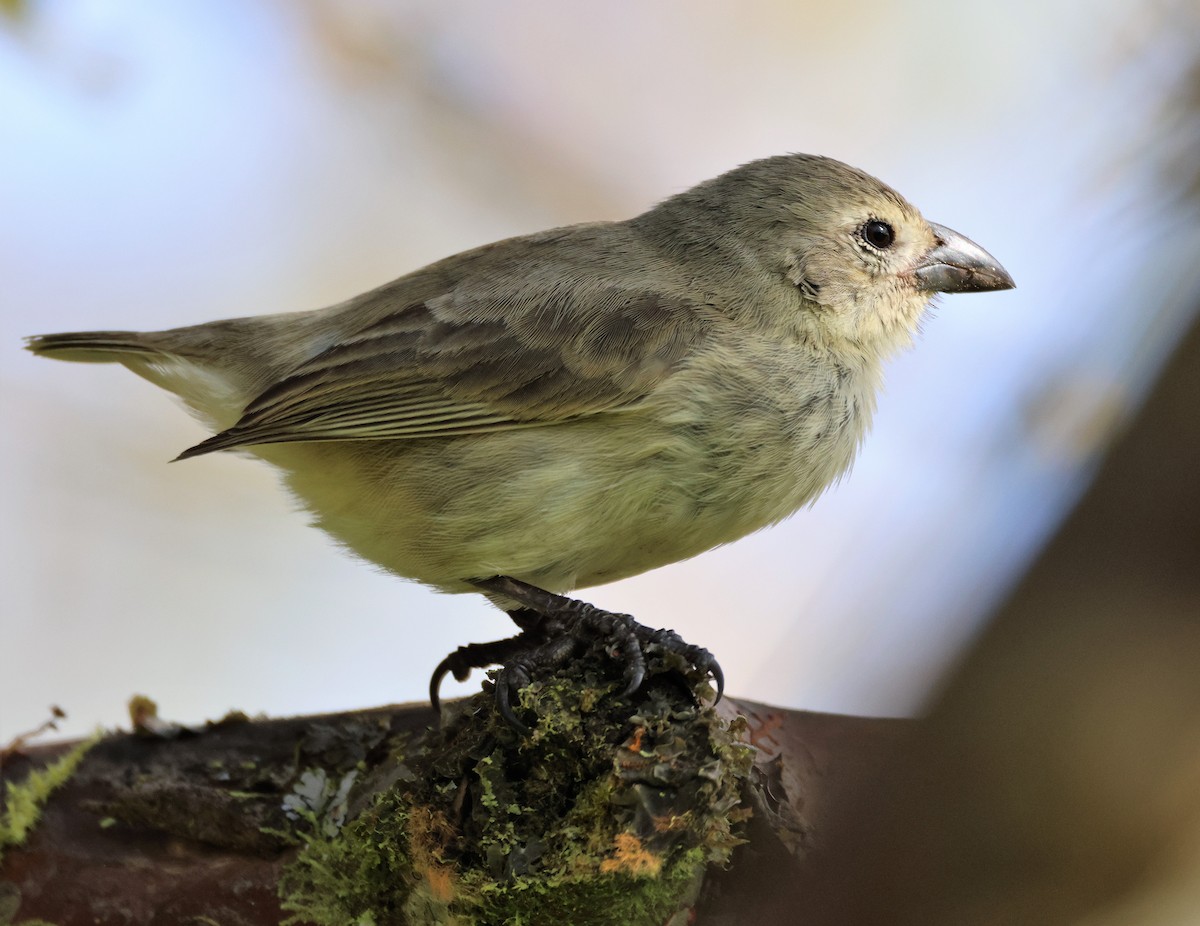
x: 574, y: 406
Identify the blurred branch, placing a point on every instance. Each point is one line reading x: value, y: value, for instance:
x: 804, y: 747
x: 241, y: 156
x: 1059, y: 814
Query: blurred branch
x: 410, y: 54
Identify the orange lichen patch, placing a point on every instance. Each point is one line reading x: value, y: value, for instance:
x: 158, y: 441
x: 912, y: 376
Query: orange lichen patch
x: 429, y: 832
x: 632, y: 858
x: 441, y: 883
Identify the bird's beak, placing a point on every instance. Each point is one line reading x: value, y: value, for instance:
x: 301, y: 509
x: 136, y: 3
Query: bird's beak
x: 958, y: 265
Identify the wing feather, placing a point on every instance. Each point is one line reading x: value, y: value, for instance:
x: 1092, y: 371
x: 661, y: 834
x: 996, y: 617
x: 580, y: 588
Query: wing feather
x: 460, y: 363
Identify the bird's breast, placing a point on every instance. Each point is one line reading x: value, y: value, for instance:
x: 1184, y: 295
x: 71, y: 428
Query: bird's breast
x: 759, y: 440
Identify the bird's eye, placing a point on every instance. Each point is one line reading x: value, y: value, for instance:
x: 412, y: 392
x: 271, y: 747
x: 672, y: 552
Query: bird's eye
x: 878, y: 234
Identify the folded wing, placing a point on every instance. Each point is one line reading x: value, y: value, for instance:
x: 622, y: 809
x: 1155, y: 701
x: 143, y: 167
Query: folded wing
x: 468, y: 362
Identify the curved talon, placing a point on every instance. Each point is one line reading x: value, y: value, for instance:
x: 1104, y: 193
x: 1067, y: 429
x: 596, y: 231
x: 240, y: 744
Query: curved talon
x: 635, y: 665
x: 505, y: 685
x: 435, y: 683
x: 714, y: 669
x: 457, y: 664
x: 703, y: 660
x: 698, y: 656
x: 636, y: 673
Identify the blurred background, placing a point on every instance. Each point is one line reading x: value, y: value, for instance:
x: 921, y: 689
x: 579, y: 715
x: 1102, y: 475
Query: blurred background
x: 164, y: 164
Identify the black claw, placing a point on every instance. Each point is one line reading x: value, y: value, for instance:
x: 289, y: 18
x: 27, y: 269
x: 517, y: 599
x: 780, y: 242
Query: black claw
x: 635, y: 660
x: 435, y: 684
x: 702, y: 659
x: 698, y: 656
x: 636, y: 674
x: 457, y: 663
x: 714, y: 669
x: 506, y: 685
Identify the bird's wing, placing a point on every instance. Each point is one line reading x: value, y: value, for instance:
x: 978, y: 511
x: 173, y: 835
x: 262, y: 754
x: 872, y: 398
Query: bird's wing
x: 466, y: 363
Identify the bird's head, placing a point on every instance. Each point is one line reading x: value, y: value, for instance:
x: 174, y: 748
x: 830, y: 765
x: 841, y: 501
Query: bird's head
x: 862, y: 260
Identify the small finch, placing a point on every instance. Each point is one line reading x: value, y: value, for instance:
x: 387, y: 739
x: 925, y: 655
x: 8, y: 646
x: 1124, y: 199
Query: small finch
x: 570, y: 407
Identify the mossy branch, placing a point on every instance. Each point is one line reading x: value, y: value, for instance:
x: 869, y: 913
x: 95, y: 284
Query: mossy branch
x: 608, y: 813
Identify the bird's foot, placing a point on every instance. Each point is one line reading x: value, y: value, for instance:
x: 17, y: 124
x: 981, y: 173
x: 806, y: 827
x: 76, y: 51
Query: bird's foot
x: 555, y: 628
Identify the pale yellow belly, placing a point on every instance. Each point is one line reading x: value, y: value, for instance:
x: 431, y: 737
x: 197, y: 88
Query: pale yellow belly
x: 566, y: 506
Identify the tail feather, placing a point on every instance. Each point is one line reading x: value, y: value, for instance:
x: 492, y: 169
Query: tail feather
x: 214, y: 395
x: 91, y: 346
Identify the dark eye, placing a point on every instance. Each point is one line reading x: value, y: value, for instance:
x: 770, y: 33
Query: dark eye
x: 878, y: 234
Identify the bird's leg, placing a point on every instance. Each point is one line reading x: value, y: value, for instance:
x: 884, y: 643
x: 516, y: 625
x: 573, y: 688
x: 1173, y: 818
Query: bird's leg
x: 526, y: 618
x: 553, y: 628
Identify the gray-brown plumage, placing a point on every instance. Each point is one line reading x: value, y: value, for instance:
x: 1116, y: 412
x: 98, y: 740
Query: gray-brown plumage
x: 582, y: 404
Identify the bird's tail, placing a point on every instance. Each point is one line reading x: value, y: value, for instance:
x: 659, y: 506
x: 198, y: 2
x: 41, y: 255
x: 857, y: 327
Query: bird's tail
x: 168, y: 359
x: 92, y: 346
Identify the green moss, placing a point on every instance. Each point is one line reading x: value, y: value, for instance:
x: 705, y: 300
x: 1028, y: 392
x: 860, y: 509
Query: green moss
x: 23, y: 802
x: 599, y: 817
